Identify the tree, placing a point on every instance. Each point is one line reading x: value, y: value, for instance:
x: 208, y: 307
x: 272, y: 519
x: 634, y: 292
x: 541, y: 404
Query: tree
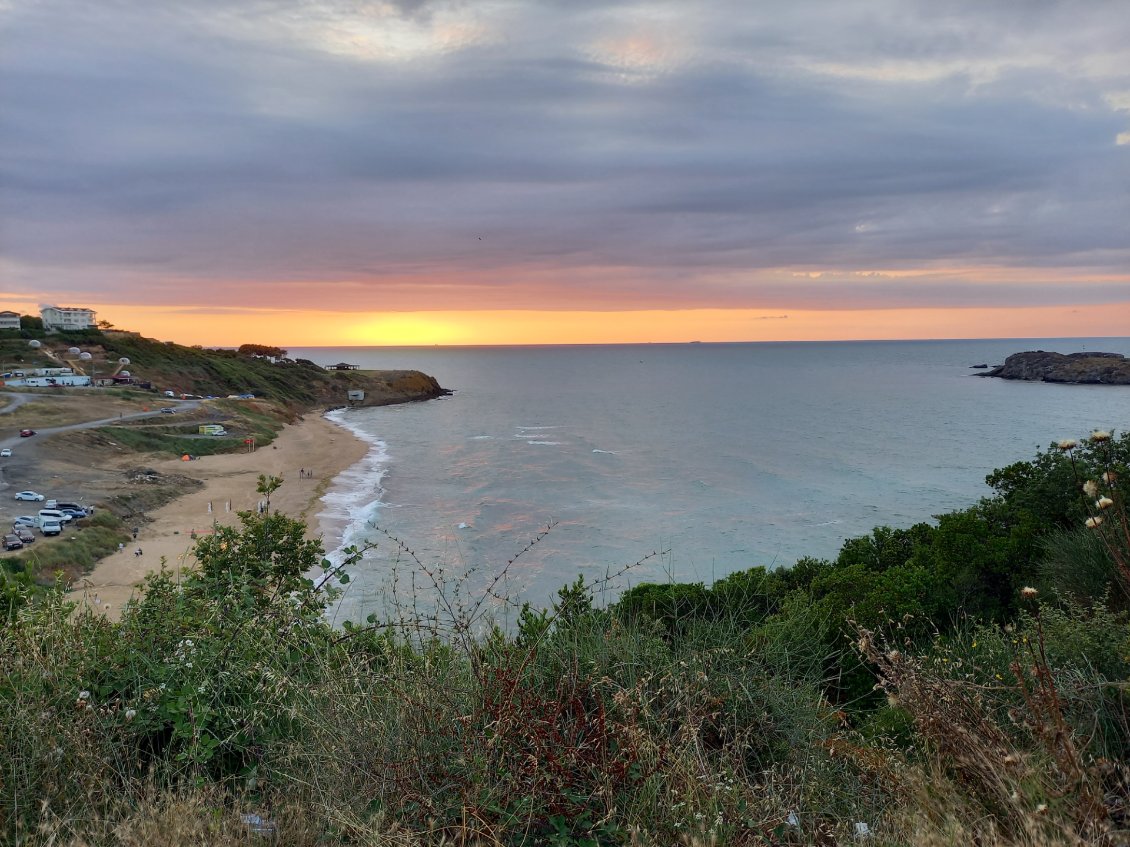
x: 262, y: 560
x: 31, y: 322
x: 261, y: 350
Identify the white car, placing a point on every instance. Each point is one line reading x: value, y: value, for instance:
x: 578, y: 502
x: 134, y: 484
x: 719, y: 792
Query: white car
x: 23, y: 520
x: 5, y: 453
x: 29, y: 495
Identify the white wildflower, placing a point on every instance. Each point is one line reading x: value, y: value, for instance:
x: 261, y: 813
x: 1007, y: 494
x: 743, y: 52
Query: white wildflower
x: 1100, y: 435
x: 131, y: 714
x: 1109, y: 477
x: 1067, y: 444
x: 84, y: 695
x: 1091, y: 488
x: 1093, y: 523
x: 1104, y: 503
x: 1028, y: 592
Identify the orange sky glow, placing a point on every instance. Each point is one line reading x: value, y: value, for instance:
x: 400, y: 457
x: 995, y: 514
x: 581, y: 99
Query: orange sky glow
x: 193, y: 325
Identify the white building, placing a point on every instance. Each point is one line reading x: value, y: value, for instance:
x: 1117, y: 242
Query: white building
x: 9, y: 320
x: 64, y: 317
x: 48, y: 381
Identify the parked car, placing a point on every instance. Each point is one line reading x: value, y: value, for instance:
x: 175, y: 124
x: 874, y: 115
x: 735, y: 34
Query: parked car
x: 5, y: 453
x: 170, y: 394
x: 24, y: 534
x: 27, y: 433
x: 169, y: 411
x: 74, y: 507
x: 23, y: 521
x: 28, y: 495
x: 12, y: 542
x: 74, y: 514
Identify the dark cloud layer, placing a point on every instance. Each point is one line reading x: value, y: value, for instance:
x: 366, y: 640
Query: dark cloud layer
x: 560, y: 154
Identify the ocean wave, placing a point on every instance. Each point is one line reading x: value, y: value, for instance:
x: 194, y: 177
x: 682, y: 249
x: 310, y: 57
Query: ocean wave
x: 354, y: 497
x: 547, y: 443
x: 606, y: 452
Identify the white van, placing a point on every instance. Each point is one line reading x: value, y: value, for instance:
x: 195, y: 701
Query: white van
x: 48, y: 526
x: 54, y: 515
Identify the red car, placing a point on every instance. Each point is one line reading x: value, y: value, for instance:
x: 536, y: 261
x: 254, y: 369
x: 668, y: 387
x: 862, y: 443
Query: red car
x: 25, y: 433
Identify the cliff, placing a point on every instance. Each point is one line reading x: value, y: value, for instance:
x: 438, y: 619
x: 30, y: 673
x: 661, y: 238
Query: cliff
x: 299, y: 385
x: 382, y: 388
x: 1079, y: 368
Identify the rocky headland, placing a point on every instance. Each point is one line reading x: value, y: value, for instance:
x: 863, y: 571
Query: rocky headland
x: 1077, y: 368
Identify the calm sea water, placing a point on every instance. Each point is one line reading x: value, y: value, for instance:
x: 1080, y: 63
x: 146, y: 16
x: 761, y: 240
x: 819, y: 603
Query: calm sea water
x: 701, y: 459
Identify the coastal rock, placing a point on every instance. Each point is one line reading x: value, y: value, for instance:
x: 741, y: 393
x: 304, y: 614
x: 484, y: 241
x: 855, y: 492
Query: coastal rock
x: 378, y: 388
x: 1077, y: 368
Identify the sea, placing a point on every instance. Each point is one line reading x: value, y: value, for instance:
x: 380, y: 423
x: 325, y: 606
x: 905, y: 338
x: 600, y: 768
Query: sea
x: 669, y: 462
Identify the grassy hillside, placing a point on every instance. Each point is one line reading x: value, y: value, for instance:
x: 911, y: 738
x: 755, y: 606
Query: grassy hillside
x: 299, y: 384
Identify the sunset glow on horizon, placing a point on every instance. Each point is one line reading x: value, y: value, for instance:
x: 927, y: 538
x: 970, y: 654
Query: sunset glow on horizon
x: 525, y: 327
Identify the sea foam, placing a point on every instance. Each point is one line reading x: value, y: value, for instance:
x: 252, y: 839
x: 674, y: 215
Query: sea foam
x: 353, y: 500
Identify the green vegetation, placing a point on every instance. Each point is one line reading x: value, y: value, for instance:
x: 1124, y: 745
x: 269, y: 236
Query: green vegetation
x: 73, y: 553
x: 161, y: 440
x: 290, y: 387
x: 952, y: 684
x: 242, y: 419
x: 195, y: 370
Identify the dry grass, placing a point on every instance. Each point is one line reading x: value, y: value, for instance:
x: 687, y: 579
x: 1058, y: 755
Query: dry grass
x: 58, y: 410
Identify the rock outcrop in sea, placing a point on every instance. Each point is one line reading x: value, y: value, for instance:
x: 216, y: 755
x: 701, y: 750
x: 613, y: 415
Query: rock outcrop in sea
x: 1080, y: 368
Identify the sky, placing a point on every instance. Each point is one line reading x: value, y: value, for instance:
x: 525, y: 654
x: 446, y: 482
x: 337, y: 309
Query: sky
x: 558, y: 171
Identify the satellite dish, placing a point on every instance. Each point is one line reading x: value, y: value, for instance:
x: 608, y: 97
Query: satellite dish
x: 124, y: 373
x: 86, y: 357
x: 73, y: 351
x: 123, y: 361
x: 34, y: 344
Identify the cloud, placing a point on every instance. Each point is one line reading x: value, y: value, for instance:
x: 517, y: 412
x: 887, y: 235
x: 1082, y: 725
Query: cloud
x: 589, y: 154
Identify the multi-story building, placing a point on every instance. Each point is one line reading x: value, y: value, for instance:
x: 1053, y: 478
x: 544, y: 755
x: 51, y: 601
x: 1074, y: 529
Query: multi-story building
x: 9, y: 320
x: 65, y: 317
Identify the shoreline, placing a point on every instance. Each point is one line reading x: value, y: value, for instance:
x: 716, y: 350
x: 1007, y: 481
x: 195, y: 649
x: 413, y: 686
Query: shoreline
x: 314, y: 443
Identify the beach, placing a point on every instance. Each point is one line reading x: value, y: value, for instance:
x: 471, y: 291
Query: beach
x: 307, y: 456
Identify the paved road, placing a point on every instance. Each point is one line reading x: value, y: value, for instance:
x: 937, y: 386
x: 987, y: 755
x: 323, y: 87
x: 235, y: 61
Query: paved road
x: 19, y: 399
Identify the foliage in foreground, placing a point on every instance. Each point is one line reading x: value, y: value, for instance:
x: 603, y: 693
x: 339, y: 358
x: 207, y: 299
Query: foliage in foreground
x: 804, y: 706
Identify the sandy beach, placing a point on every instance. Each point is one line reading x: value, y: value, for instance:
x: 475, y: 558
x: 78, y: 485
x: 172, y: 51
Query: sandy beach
x: 306, y: 455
